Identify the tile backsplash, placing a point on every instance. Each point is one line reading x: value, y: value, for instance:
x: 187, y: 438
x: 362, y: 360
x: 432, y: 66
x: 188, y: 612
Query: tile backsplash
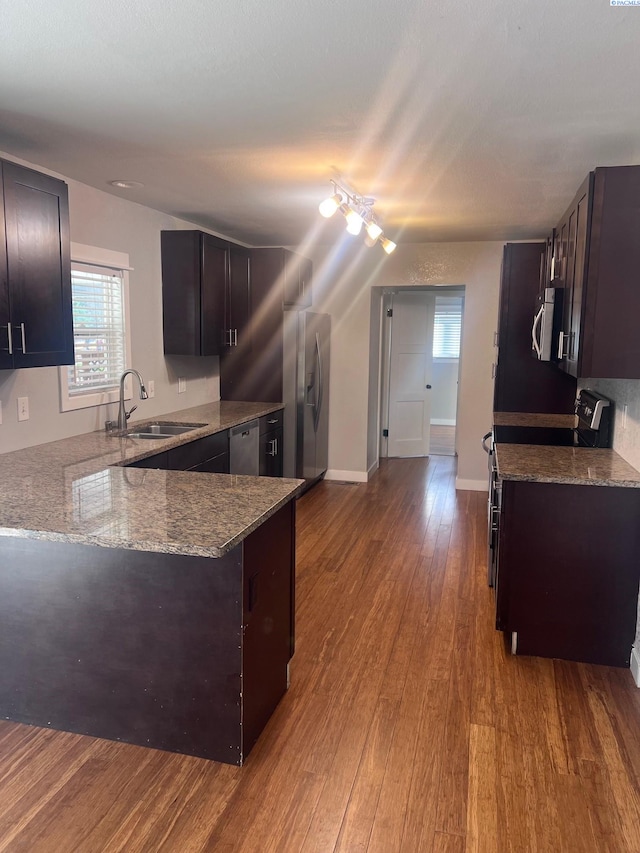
x: 626, y: 433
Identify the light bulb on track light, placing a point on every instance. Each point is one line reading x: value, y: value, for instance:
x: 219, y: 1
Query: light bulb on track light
x: 387, y: 245
x: 329, y: 206
x: 373, y: 230
x: 354, y: 222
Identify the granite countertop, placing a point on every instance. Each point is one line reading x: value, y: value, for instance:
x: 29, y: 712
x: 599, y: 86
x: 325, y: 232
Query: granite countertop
x: 534, y: 419
x: 569, y: 465
x: 76, y: 490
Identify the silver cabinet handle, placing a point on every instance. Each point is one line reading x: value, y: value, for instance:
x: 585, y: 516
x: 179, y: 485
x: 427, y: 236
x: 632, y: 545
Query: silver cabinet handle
x: 24, y: 339
x: 235, y: 337
x: 9, y: 339
x: 273, y: 447
x: 493, y: 370
x: 274, y: 421
x: 565, y: 338
x: 495, y: 339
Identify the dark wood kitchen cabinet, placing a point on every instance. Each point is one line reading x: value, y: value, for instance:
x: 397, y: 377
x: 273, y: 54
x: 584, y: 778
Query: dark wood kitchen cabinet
x: 280, y: 286
x: 522, y: 383
x: 597, y: 261
x: 288, y: 274
x: 36, y: 317
x: 206, y: 290
x: 209, y: 454
x: 567, y: 570
x: 270, y: 445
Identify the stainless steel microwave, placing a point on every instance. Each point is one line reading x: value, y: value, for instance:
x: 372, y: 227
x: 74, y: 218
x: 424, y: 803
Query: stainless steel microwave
x: 546, y: 323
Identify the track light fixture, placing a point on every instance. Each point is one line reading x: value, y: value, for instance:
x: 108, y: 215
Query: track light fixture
x: 358, y: 211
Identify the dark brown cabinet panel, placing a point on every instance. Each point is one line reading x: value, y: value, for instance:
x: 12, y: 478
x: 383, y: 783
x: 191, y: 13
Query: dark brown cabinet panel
x: 598, y: 254
x: 182, y: 653
x: 522, y: 383
x: 36, y: 317
x: 238, y: 352
x: 569, y: 590
x: 270, y: 445
x: 194, y: 278
x: 210, y: 454
x: 276, y: 276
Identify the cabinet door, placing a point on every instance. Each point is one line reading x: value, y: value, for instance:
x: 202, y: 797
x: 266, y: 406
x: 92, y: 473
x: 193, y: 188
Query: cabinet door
x: 38, y: 267
x: 218, y: 465
x: 194, y: 279
x: 237, y: 298
x: 158, y: 460
x: 297, y: 281
x: 6, y: 358
x: 215, y: 273
x: 271, y: 457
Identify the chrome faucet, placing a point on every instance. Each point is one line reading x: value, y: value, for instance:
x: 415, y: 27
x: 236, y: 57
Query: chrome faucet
x: 123, y: 414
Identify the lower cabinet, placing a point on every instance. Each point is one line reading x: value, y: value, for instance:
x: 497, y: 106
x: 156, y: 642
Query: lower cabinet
x: 210, y: 454
x: 568, y: 571
x: 271, y: 450
x: 182, y: 653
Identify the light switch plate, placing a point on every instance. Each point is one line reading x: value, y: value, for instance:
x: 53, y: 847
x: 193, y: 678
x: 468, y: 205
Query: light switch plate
x: 182, y: 384
x: 151, y: 388
x: 23, y: 408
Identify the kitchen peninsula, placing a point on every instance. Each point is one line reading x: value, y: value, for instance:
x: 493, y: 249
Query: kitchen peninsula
x: 154, y: 607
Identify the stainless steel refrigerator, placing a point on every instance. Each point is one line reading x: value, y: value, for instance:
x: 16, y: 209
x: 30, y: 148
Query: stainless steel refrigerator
x: 306, y: 394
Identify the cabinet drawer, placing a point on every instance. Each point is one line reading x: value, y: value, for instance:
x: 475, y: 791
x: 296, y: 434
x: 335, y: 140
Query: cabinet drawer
x: 270, y: 422
x: 158, y: 460
x: 218, y: 465
x: 195, y: 452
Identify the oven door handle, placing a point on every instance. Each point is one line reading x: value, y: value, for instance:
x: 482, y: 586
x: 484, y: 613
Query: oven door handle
x: 536, y: 324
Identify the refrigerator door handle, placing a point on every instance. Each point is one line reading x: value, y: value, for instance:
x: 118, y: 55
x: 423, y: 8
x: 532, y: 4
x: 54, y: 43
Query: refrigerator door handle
x: 318, y: 406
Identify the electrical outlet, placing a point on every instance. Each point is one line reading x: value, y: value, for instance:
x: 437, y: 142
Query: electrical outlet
x: 624, y: 417
x: 151, y: 388
x: 182, y: 384
x: 23, y: 408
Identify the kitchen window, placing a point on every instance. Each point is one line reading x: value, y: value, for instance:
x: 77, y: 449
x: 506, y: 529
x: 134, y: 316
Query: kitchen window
x: 100, y: 298
x: 447, y: 327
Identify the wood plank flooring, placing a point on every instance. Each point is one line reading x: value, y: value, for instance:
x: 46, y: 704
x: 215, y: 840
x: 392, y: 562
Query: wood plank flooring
x: 442, y: 440
x: 408, y: 727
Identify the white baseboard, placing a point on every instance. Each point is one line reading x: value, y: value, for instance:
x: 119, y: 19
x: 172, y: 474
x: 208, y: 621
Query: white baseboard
x: 373, y: 468
x: 349, y: 476
x: 635, y: 665
x: 442, y: 422
x: 472, y: 485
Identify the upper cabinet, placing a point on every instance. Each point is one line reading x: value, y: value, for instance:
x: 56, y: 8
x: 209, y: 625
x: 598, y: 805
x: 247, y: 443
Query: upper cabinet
x: 289, y: 275
x: 205, y: 294
x: 597, y: 261
x: 36, y: 318
x: 194, y: 275
x: 523, y: 383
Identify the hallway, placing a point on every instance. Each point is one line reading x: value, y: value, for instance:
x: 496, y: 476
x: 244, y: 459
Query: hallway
x: 407, y: 728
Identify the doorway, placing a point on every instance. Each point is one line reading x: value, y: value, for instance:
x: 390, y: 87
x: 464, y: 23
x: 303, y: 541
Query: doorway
x: 421, y: 335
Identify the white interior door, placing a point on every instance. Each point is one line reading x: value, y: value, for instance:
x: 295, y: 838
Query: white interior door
x: 410, y: 375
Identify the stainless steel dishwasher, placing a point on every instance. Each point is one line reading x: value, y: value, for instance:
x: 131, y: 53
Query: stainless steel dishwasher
x: 244, y: 443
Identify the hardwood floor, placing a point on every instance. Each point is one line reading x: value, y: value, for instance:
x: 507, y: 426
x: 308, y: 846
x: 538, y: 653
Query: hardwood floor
x: 442, y: 440
x: 408, y: 727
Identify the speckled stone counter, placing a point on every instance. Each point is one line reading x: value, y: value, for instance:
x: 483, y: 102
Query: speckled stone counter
x: 76, y: 490
x: 570, y: 465
x: 534, y: 419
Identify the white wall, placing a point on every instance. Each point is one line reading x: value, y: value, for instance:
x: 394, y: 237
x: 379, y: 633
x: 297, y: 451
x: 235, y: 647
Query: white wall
x: 100, y: 219
x: 343, y: 278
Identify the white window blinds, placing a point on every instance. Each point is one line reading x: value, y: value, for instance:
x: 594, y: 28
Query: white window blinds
x: 98, y: 328
x: 447, y: 326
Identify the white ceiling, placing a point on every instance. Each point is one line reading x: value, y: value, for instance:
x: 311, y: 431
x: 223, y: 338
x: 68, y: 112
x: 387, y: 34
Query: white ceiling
x: 465, y: 120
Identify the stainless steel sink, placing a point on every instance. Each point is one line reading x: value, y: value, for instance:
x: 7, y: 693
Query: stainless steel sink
x: 162, y: 429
